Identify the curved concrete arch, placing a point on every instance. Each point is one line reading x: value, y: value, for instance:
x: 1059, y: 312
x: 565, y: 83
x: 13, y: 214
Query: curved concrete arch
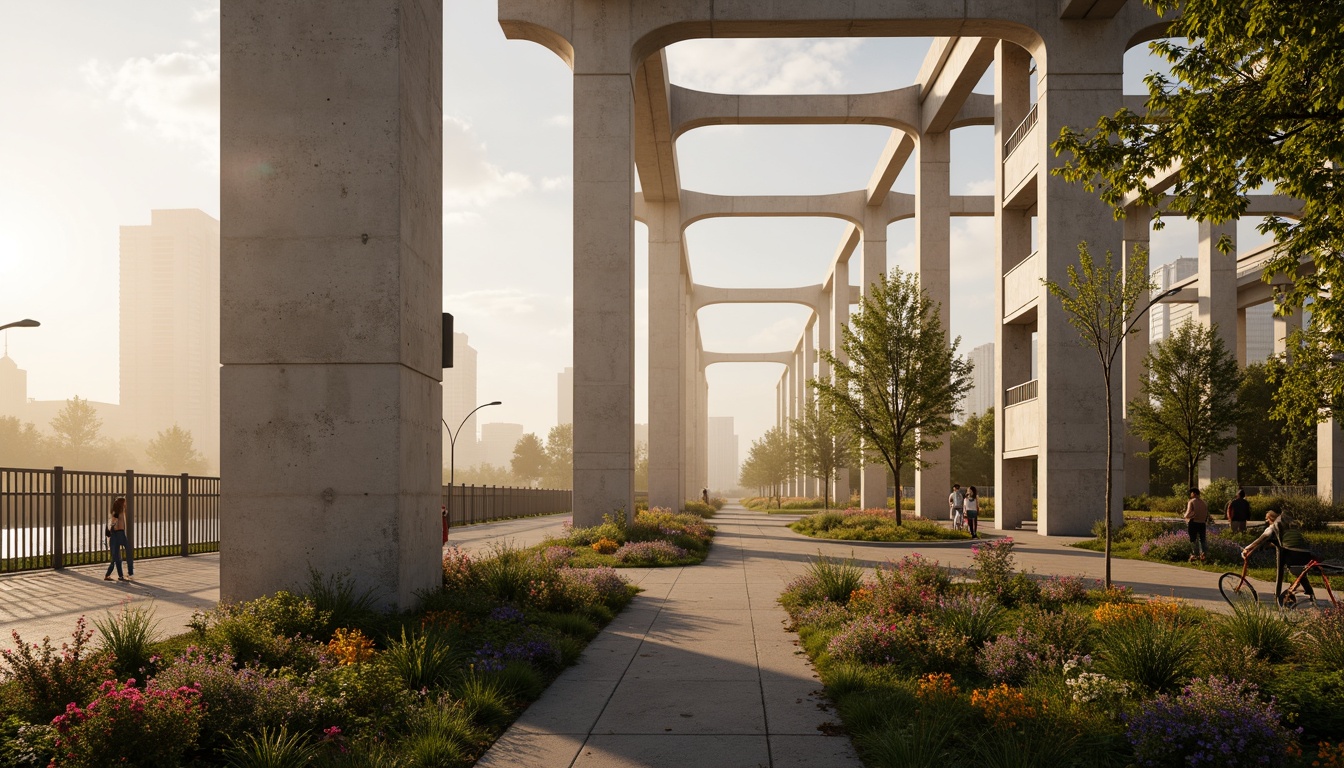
x: 812, y: 296
x: 696, y: 206
x: 708, y: 358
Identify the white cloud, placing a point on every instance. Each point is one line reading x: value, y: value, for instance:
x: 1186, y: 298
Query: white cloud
x: 470, y: 180
x: 173, y: 95
x: 761, y: 66
x: 557, y: 183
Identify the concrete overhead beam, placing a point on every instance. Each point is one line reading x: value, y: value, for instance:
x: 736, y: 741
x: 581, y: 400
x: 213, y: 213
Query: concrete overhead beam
x: 955, y: 69
x: 695, y: 109
x: 700, y: 205
x: 811, y: 296
x: 655, y: 158
x: 1089, y: 9
x: 708, y: 358
x: 1257, y: 205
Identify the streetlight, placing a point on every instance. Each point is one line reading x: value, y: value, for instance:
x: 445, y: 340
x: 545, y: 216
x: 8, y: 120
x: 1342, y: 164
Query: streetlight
x: 452, y: 456
x: 21, y: 324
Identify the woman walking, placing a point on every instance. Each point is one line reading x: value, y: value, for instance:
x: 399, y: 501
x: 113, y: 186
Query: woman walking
x: 972, y: 504
x: 1197, y: 520
x: 116, y: 538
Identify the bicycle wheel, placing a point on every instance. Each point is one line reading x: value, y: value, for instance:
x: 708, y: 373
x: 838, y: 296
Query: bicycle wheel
x: 1235, y: 592
x: 1292, y: 601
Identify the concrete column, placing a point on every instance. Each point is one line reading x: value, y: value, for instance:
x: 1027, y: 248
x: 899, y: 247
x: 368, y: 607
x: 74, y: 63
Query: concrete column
x: 1241, y: 337
x: 1012, y: 343
x: 685, y: 324
x: 702, y: 468
x: 795, y: 404
x: 1218, y: 307
x: 839, y: 313
x: 1081, y: 81
x: 811, y: 486
x: 1285, y: 326
x: 873, y: 489
x: 1330, y: 461
x: 331, y: 292
x: 665, y: 343
x: 933, y: 235
x: 689, y: 373
x: 1135, y: 466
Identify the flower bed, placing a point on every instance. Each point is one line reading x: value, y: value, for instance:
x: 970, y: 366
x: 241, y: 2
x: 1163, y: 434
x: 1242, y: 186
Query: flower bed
x: 657, y: 537
x: 928, y: 670
x: 873, y: 525
x: 317, y: 678
x: 1168, y: 542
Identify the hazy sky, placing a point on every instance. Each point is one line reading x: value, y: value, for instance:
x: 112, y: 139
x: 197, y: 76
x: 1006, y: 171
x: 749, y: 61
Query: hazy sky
x: 111, y: 109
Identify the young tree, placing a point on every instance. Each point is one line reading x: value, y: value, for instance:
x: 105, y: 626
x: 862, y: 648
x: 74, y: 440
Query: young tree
x: 1270, y: 450
x: 902, y: 380
x: 560, y: 456
x: 174, y: 451
x: 529, y: 459
x: 21, y: 445
x: 973, y: 450
x: 77, y: 429
x: 1254, y: 102
x: 1101, y: 300
x: 770, y: 462
x: 1188, y: 406
x: 821, y: 445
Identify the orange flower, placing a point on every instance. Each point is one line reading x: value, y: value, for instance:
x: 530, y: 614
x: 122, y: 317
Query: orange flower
x: 937, y: 686
x: 1003, y: 706
x: 350, y: 646
x: 605, y: 546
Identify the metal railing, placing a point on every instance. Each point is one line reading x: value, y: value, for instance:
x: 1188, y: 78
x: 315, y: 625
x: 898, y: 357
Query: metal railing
x: 1020, y: 132
x: 467, y: 504
x: 1020, y: 394
x: 54, y: 518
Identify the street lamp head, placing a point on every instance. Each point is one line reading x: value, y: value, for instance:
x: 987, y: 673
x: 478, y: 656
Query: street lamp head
x: 21, y: 324
x: 1168, y: 293
x: 496, y: 402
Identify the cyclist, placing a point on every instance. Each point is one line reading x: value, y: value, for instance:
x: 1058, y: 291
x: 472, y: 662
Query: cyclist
x: 1292, y: 549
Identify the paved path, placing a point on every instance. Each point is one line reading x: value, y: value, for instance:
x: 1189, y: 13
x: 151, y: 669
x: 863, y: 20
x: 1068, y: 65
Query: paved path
x: 700, y: 669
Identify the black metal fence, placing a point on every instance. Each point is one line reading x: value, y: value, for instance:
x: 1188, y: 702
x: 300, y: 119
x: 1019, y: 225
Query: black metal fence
x: 468, y: 504
x: 53, y: 518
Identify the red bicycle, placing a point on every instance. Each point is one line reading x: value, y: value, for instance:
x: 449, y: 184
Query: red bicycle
x: 1238, y: 592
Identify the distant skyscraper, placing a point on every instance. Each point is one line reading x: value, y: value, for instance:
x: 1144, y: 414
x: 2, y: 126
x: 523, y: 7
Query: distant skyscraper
x: 170, y: 326
x: 459, y: 398
x: 13, y: 387
x: 1259, y: 332
x: 723, y: 454
x: 1164, y: 319
x: 497, y: 442
x: 981, y: 396
x: 564, y: 397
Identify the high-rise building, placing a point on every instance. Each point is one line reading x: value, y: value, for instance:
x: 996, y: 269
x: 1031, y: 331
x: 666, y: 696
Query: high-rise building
x: 170, y: 326
x: 723, y: 454
x: 459, y: 398
x: 497, y: 442
x: 564, y: 397
x: 1259, y: 332
x: 1164, y: 319
x: 981, y: 396
x: 13, y: 386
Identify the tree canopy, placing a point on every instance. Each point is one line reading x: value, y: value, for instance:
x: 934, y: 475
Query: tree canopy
x: 173, y: 450
x: 1187, y: 408
x: 973, y: 450
x: 902, y: 379
x: 770, y: 462
x: 1255, y: 102
x: 821, y: 444
x: 529, y: 459
x: 560, y: 456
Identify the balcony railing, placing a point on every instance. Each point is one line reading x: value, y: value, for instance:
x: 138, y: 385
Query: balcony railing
x: 1020, y: 132
x: 1020, y: 394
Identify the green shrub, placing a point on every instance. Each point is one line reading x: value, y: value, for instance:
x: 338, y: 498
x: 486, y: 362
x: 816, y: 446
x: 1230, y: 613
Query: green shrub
x: 1067, y: 631
x: 128, y: 637
x: 1322, y: 638
x: 438, y: 736
x: 1311, y: 698
x: 697, y: 507
x: 425, y: 659
x: 519, y: 680
x: 26, y: 745
x: 975, y: 618
x: 485, y: 701
x: 835, y: 579
x: 1259, y: 627
x: 368, y: 695
x: 248, y: 632
x: 508, y: 572
x: 47, y: 679
x: 1139, y: 531
x: 1309, y: 512
x: 1158, y: 654
x: 571, y: 624
x: 844, y: 679
x: 1217, y: 493
x: 271, y: 748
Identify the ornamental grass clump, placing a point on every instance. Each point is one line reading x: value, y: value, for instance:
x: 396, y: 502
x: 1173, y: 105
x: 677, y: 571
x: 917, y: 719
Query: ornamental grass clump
x: 127, y: 637
x: 912, y: 643
x: 1149, y: 644
x: 1258, y: 627
x: 975, y: 618
x: 423, y: 659
x: 1212, y: 722
x: 123, y: 724
x: 1322, y: 638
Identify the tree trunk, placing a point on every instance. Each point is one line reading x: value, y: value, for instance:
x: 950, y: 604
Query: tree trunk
x: 896, y: 473
x: 1110, y: 449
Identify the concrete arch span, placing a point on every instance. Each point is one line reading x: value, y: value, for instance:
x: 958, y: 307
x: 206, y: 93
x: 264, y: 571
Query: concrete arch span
x: 708, y: 358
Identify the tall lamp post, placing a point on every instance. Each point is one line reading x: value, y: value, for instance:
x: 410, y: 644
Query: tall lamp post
x: 452, y: 457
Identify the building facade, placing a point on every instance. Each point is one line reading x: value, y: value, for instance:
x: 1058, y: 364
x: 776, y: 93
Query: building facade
x: 459, y: 398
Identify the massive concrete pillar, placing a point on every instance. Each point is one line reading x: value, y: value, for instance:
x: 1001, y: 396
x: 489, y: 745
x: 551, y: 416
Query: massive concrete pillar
x: 811, y: 487
x: 1013, y: 464
x: 331, y: 294
x: 702, y: 467
x: 839, y: 314
x: 1218, y: 308
x: 1330, y: 461
x: 873, y: 488
x: 933, y: 235
x: 795, y: 406
x: 1079, y: 81
x: 665, y: 352
x: 1135, y: 466
x: 691, y: 397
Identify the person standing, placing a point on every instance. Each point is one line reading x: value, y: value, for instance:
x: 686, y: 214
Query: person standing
x: 972, y: 505
x: 956, y: 502
x: 116, y: 538
x: 1238, y: 512
x: 1197, y: 520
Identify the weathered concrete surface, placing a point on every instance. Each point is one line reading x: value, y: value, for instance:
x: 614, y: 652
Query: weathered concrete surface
x: 331, y: 293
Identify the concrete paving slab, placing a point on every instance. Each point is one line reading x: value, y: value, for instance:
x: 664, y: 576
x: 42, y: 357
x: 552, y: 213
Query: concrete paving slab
x: 516, y: 749
x: 616, y: 751
x: 577, y: 703
x: 813, y: 752
x: 662, y: 706
x: 693, y: 662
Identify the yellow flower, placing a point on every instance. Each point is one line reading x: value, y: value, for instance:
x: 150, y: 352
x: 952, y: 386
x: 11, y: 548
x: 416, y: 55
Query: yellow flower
x: 605, y: 546
x: 350, y: 646
x: 1003, y: 706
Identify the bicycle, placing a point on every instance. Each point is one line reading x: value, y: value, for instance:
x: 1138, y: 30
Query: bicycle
x: 1243, y: 594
